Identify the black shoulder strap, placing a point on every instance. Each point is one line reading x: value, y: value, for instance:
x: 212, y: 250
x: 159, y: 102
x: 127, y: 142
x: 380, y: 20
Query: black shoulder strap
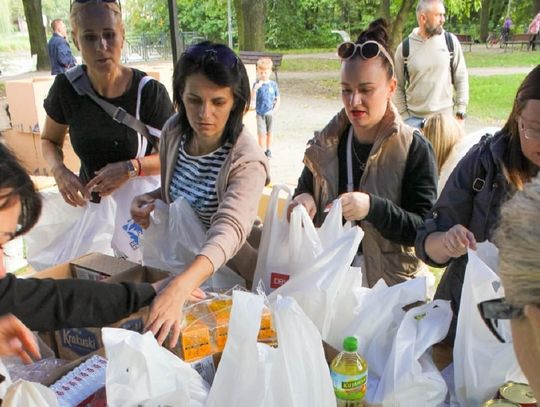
x: 480, y: 171
x: 450, y: 46
x: 80, y: 82
x: 405, y: 54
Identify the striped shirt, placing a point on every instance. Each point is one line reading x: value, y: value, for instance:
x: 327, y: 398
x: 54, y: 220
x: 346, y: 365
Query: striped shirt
x: 194, y: 178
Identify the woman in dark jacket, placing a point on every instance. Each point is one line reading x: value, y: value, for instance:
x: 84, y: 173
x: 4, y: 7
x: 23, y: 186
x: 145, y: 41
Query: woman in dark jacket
x: 469, y: 206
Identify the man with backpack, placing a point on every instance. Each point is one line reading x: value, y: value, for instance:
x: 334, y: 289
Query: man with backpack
x: 429, y: 66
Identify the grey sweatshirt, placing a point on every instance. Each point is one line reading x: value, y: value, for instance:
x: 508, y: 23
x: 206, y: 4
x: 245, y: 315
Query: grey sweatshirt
x: 430, y: 82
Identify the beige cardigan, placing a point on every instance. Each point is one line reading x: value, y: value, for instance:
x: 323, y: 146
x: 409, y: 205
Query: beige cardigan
x: 239, y: 186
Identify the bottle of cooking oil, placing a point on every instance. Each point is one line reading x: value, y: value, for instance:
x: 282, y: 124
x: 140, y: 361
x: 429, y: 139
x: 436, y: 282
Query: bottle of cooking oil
x: 349, y: 373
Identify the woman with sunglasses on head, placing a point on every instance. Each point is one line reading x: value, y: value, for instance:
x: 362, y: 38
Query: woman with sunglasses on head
x: 469, y: 206
x: 383, y: 171
x: 111, y: 153
x: 518, y: 240
x: 209, y: 159
x: 45, y: 305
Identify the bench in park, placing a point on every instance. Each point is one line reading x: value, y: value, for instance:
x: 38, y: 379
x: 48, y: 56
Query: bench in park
x: 465, y: 39
x: 251, y: 57
x: 519, y: 39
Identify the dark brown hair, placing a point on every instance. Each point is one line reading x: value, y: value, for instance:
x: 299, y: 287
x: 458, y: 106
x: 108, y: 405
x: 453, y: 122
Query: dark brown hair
x: 14, y: 178
x: 378, y: 31
x: 518, y: 168
x: 222, y: 75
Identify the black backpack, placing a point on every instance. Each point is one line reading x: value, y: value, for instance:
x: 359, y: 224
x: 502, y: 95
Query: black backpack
x: 406, y: 48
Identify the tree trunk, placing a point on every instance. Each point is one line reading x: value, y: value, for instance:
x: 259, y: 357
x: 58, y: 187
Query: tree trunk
x: 484, y: 20
x: 239, y: 22
x: 253, y: 17
x: 36, y: 33
x: 384, y: 10
x: 396, y: 26
x: 536, y: 7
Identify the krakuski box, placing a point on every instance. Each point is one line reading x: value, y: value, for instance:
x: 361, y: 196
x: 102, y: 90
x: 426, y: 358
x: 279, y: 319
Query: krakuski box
x: 72, y: 343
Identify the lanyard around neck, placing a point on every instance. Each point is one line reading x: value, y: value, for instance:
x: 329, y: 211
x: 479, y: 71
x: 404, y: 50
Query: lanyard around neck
x: 350, y: 185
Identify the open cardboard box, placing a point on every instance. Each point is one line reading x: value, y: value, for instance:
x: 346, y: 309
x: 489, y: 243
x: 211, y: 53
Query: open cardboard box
x: 72, y: 343
x: 27, y: 148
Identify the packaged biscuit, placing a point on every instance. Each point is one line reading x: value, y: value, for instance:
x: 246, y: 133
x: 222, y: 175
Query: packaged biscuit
x: 206, y: 325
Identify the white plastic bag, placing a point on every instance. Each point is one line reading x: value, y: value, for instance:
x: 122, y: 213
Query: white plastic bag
x: 410, y: 377
x: 65, y: 232
x: 7, y: 380
x: 256, y: 375
x: 243, y: 374
x: 142, y: 373
x: 375, y: 322
x: 481, y: 362
x: 29, y: 394
x: 319, y: 271
x: 300, y: 374
x: 127, y: 234
x: 273, y: 256
x: 173, y: 239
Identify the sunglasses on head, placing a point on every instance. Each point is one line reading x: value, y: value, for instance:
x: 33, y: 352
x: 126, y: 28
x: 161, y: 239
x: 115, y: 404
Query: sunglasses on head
x: 367, y: 50
x: 102, y: 1
x: 217, y: 53
x: 494, y: 310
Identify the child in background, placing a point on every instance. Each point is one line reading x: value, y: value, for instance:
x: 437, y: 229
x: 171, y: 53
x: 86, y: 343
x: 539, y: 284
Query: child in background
x: 266, y: 95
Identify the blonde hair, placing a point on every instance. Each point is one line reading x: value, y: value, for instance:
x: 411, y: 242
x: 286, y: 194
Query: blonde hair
x: 264, y: 63
x: 77, y: 7
x: 518, y: 240
x: 443, y: 131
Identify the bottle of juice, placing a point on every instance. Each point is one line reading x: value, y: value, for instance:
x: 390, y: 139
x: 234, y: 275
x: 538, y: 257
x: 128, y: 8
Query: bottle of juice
x: 349, y: 373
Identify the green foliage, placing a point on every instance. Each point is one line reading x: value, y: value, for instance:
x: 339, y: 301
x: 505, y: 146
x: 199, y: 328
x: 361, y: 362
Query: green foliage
x: 208, y: 18
x: 491, y: 96
x: 5, y: 20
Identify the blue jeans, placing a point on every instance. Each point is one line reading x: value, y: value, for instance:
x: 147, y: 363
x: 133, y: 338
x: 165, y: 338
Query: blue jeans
x: 417, y: 122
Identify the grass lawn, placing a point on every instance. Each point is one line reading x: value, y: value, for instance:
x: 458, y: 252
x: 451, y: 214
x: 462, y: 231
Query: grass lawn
x: 487, y: 58
x: 492, y: 97
x: 309, y: 65
x: 14, y: 42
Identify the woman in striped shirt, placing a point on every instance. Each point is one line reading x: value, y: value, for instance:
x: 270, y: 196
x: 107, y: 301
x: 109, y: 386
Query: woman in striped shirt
x: 208, y: 158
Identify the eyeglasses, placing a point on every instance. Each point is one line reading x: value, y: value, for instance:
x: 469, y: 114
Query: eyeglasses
x: 367, y: 50
x: 493, y: 310
x: 102, y: 1
x: 529, y: 134
x: 218, y: 53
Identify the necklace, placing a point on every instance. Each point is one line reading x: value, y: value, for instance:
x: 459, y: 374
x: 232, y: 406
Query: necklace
x: 361, y: 162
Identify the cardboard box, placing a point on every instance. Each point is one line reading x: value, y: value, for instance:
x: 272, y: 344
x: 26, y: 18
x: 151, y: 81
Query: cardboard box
x: 42, y: 182
x: 25, y: 99
x: 93, y: 266
x: 73, y: 343
x: 265, y: 200
x: 27, y: 148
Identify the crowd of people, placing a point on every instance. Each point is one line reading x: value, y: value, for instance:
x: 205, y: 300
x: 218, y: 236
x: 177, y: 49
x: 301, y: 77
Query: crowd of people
x: 380, y: 155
